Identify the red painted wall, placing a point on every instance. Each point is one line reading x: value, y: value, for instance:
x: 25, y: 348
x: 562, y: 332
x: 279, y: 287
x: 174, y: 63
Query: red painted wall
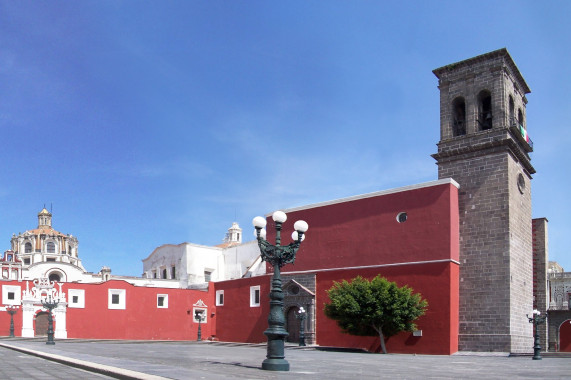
x: 365, y: 231
x: 438, y: 284
x: 5, y: 317
x: 565, y: 336
x: 236, y: 321
x: 141, y: 319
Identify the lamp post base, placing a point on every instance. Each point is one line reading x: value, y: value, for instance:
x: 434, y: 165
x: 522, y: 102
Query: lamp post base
x: 275, y: 365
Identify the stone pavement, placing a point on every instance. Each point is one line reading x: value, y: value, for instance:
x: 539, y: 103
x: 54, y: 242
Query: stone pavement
x: 207, y: 360
x: 17, y: 365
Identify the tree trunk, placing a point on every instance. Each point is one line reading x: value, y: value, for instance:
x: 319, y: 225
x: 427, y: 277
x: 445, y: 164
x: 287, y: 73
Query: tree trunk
x: 382, y: 336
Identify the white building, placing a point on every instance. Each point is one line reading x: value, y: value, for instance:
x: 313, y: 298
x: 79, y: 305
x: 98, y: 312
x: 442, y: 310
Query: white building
x: 195, y: 265
x: 43, y: 252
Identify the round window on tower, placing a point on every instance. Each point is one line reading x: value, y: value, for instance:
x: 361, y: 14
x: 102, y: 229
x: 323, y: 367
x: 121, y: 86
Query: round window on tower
x: 402, y: 217
x: 520, y: 183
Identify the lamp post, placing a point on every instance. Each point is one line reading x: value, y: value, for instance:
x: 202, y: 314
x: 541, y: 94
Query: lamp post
x: 277, y: 256
x: 12, y: 310
x: 50, y: 304
x: 536, y: 319
x: 198, y: 315
x: 301, y: 315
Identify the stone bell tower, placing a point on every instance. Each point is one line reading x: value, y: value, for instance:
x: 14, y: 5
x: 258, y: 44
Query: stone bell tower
x: 484, y: 146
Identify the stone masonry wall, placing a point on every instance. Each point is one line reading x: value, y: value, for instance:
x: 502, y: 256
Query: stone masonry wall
x: 540, y: 261
x: 484, y: 251
x: 521, y: 258
x: 304, y: 299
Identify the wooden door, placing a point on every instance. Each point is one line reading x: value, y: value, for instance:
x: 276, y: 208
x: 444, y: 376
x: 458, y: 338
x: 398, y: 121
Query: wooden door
x: 292, y: 325
x: 41, y: 324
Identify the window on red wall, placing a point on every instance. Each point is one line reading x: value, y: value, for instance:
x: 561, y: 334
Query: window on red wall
x: 219, y: 297
x: 255, y: 296
x: 162, y: 301
x: 116, y: 299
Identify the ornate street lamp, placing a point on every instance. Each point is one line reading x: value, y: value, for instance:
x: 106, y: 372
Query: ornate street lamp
x: 12, y: 310
x: 199, y: 315
x: 50, y: 304
x: 277, y: 256
x: 536, y: 319
x: 301, y: 315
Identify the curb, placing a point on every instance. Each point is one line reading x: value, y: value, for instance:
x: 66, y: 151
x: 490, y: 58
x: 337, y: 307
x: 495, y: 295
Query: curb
x: 118, y: 373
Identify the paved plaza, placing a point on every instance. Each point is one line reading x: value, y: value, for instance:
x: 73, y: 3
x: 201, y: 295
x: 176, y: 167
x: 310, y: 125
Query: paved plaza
x: 205, y: 360
x: 17, y: 365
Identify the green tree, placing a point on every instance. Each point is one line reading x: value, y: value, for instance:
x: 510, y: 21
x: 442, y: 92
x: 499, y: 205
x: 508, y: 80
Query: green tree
x: 377, y: 307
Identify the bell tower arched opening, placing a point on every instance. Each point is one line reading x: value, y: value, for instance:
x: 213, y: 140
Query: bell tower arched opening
x: 485, y: 110
x: 459, y: 121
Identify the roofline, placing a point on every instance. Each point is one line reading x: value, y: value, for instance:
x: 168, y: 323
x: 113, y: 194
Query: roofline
x: 439, y: 182
x: 198, y: 246
x: 503, y: 52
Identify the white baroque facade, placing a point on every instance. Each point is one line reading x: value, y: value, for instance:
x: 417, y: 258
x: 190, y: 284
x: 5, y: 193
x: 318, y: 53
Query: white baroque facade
x: 559, y: 289
x: 43, y: 252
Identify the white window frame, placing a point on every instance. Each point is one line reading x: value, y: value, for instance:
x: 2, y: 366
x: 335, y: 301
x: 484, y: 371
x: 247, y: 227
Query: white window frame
x: 11, y: 289
x: 80, y: 294
x: 122, y: 305
x: 218, y: 294
x: 204, y: 313
x: 165, y: 301
x: 253, y: 290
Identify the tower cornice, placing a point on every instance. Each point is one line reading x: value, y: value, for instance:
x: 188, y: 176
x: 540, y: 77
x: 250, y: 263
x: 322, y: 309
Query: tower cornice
x: 481, y: 143
x: 452, y: 69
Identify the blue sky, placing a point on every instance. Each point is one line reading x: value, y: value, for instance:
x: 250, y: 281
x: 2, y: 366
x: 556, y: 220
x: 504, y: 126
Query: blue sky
x: 153, y: 122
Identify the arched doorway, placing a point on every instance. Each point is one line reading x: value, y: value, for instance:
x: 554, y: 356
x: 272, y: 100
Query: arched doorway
x: 292, y: 325
x: 565, y: 336
x: 41, y: 324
